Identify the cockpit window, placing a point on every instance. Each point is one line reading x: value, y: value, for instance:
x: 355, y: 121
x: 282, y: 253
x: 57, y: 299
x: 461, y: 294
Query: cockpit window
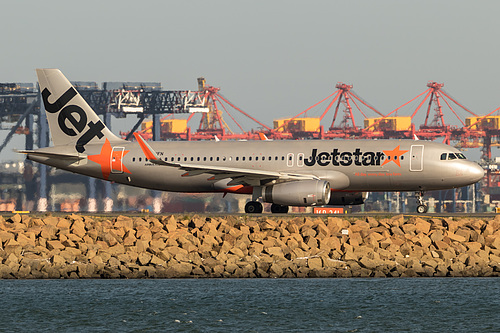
x: 452, y: 156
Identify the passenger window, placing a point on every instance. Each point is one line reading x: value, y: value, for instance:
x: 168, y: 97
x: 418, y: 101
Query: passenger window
x: 185, y: 159
x: 211, y: 158
x: 198, y: 158
x: 217, y: 158
x: 243, y: 158
x: 300, y: 160
x: 133, y: 159
x: 140, y: 159
x: 250, y: 158
x: 275, y: 158
x: 452, y: 156
x: 282, y: 158
x: 192, y: 159
x: 269, y: 158
x: 237, y: 158
x: 178, y: 159
x: 256, y: 158
x: 204, y: 158
x: 443, y: 156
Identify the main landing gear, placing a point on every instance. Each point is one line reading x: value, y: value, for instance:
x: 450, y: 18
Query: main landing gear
x: 421, y: 208
x: 253, y: 207
x: 275, y: 208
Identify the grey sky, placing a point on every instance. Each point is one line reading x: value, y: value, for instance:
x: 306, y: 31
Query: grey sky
x: 271, y: 58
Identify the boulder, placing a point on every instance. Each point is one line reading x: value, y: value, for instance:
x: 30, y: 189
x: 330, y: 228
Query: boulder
x: 78, y: 228
x: 496, y: 242
x: 180, y: 270
x: 268, y: 224
x: 52, y: 220
x: 355, y: 238
x: 129, y: 239
x: 292, y: 228
x: 238, y: 252
x: 144, y: 258
x: 456, y: 237
x: 306, y: 231
x: 55, y: 245
x: 144, y: 233
x: 63, y: 224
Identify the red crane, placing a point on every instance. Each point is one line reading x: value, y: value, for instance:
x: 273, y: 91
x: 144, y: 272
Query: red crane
x: 343, y: 124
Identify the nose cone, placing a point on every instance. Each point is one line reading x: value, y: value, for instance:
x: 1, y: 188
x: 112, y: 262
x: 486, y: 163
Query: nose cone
x: 476, y: 173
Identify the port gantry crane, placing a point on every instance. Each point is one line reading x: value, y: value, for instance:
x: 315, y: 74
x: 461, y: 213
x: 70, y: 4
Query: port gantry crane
x: 212, y: 105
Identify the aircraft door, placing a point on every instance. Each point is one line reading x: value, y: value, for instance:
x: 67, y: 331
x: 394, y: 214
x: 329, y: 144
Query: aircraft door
x: 116, y: 160
x: 417, y: 158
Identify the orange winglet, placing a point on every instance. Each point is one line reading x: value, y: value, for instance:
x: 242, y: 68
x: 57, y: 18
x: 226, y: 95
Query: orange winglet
x: 150, y: 155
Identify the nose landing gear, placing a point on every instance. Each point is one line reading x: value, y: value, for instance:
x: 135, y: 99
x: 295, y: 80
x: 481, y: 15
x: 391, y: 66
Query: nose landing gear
x: 421, y: 208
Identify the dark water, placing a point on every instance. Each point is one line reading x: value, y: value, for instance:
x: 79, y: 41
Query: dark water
x: 253, y: 305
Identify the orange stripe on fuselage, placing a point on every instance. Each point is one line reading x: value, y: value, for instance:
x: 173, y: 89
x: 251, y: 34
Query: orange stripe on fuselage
x: 240, y: 189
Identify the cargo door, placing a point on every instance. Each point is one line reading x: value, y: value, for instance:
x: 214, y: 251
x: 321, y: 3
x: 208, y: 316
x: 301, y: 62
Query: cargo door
x: 417, y: 158
x: 116, y: 160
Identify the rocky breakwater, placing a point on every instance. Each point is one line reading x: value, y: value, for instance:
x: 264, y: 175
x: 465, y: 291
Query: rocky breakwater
x: 177, y: 246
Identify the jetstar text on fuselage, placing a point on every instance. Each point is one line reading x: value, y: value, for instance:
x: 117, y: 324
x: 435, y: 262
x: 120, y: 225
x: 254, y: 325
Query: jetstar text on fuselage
x: 337, y: 158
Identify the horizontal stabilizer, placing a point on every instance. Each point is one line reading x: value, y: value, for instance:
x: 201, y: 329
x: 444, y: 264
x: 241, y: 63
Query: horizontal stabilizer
x: 51, y: 155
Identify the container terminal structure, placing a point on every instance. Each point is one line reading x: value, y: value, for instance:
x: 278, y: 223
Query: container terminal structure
x: 168, y: 114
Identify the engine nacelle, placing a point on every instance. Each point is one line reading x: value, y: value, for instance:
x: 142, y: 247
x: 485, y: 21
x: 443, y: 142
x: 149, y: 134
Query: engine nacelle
x: 298, y: 193
x: 347, y: 198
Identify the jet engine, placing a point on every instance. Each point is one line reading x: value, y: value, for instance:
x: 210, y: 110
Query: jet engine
x: 347, y: 198
x: 298, y: 193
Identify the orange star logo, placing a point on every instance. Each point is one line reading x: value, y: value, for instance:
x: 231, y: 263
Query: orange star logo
x: 394, y: 156
x: 110, y: 160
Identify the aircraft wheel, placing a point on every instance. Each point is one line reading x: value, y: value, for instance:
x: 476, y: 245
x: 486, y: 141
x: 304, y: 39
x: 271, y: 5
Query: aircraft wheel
x: 253, y: 207
x: 275, y: 208
x: 421, y: 209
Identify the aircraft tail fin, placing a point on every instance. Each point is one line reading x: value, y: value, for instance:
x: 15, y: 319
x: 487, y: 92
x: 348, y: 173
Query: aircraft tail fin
x: 71, y: 120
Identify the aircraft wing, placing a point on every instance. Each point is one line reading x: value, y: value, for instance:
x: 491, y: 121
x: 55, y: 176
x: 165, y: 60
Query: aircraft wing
x: 240, y: 176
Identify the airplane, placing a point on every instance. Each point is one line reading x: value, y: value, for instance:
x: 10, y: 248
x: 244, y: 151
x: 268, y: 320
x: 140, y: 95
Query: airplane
x: 283, y: 173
